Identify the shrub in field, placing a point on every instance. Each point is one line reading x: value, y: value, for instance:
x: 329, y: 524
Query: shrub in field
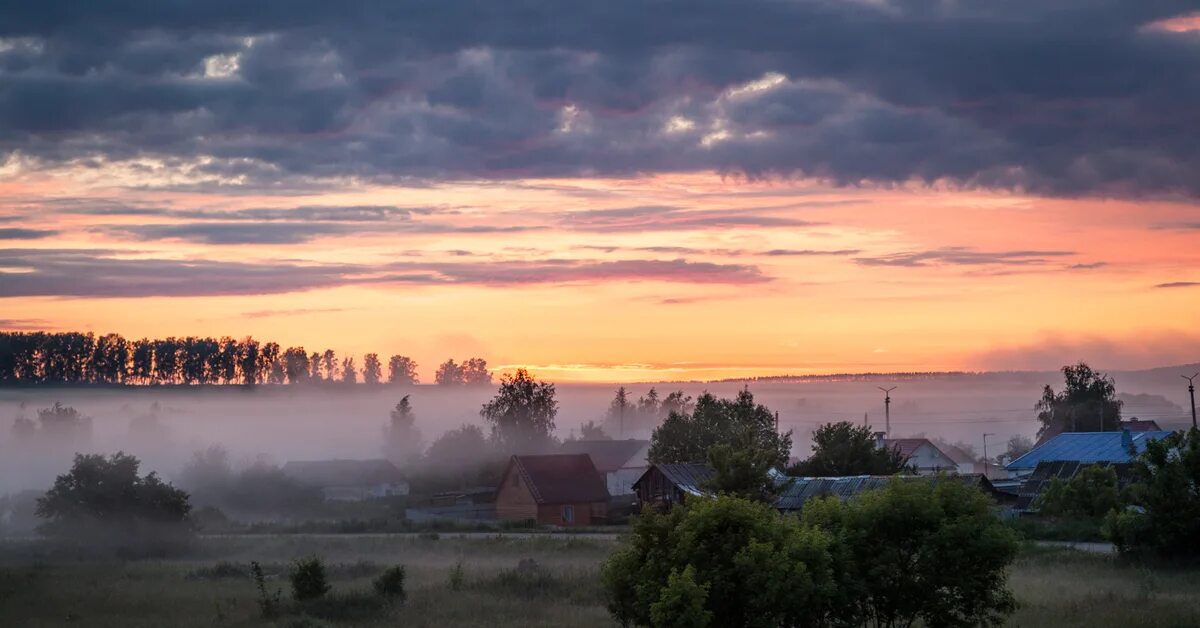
x: 918, y: 551
x: 681, y: 604
x: 103, y: 502
x: 308, y: 579
x: 390, y: 584
x: 759, y: 568
x: 457, y: 577
x: 1166, y: 520
x: 268, y: 603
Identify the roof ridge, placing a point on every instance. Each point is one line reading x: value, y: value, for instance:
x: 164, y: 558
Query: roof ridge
x: 533, y: 490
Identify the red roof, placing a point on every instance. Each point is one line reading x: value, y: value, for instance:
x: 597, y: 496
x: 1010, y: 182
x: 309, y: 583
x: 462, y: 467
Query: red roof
x: 561, y: 478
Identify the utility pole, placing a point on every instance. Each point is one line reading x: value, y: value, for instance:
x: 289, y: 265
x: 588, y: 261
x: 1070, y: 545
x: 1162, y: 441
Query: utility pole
x: 865, y: 414
x: 985, y: 458
x: 1192, y: 393
x: 887, y: 410
x: 777, y: 423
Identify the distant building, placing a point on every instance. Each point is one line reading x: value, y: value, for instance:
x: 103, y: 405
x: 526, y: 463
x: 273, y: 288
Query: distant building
x: 621, y: 461
x: 663, y: 486
x: 1138, y: 425
x: 556, y: 489
x: 349, y: 480
x: 921, y: 453
x: 1035, y: 483
x: 800, y: 490
x: 1085, y: 447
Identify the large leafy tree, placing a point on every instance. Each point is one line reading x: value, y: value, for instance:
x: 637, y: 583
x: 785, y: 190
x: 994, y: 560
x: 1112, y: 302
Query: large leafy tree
x: 1166, y: 522
x: 103, y: 499
x: 919, y: 551
x: 688, y: 436
x: 522, y: 413
x: 402, y: 370
x: 843, y: 448
x: 1087, y: 403
x: 372, y: 370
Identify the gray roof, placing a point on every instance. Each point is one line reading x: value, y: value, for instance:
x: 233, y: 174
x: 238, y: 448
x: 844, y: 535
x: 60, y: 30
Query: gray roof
x: 687, y: 477
x: 608, y: 455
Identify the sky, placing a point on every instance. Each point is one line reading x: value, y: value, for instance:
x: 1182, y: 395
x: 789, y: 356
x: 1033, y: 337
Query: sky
x: 612, y: 191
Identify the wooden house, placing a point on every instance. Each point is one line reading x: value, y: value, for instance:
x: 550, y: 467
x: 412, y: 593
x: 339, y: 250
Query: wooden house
x: 555, y: 489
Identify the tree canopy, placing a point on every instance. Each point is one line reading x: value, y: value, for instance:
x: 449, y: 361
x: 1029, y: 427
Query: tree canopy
x: 103, y: 500
x: 844, y: 448
x: 1165, y: 520
x: 1087, y: 403
x: 689, y: 436
x: 522, y: 413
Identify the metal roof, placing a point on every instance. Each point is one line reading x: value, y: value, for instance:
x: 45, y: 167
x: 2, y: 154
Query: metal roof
x: 687, y: 477
x: 1086, y: 447
x: 1045, y: 472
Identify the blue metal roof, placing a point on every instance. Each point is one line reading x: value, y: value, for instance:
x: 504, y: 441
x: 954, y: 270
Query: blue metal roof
x: 1086, y: 447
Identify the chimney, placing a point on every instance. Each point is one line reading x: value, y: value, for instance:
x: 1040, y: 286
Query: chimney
x: 879, y: 440
x: 1126, y: 439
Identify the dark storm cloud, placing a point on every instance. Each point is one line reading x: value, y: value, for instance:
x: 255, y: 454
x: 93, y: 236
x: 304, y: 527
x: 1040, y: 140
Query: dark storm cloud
x: 104, y: 273
x: 1070, y: 97
x: 962, y: 256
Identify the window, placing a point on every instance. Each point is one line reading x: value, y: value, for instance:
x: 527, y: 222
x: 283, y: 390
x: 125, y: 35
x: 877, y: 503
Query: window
x: 568, y: 514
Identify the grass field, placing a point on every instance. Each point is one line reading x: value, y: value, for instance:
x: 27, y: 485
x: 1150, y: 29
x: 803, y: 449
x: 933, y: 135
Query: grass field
x: 1055, y: 587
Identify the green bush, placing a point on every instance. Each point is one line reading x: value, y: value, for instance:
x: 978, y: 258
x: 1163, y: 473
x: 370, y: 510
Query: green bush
x: 927, y: 551
x: 457, y: 577
x: 390, y: 584
x: 1090, y: 494
x: 681, y: 604
x: 759, y: 568
x: 308, y: 579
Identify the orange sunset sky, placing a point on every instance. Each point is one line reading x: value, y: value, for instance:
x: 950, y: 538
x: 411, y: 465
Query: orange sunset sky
x: 441, y: 201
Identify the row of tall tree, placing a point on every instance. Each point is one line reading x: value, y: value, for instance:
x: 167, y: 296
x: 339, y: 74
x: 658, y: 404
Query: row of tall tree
x: 85, y: 358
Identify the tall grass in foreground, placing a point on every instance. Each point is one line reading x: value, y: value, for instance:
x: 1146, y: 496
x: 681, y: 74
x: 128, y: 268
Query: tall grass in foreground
x: 1053, y: 587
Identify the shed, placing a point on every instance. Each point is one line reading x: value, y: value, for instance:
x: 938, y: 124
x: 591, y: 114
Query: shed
x: 556, y: 489
x: 664, y: 485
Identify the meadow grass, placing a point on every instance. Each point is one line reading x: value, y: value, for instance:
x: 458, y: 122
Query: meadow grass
x: 212, y: 587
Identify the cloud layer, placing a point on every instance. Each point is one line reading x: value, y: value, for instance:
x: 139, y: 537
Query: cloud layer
x: 106, y: 273
x: 1067, y: 97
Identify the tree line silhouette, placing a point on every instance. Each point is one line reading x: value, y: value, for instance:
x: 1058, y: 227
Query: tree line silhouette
x: 85, y: 358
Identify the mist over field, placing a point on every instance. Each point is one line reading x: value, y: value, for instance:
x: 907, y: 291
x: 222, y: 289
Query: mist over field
x: 165, y: 426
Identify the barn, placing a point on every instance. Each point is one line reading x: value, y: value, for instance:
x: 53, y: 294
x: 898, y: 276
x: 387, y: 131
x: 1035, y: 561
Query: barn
x: 554, y: 489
